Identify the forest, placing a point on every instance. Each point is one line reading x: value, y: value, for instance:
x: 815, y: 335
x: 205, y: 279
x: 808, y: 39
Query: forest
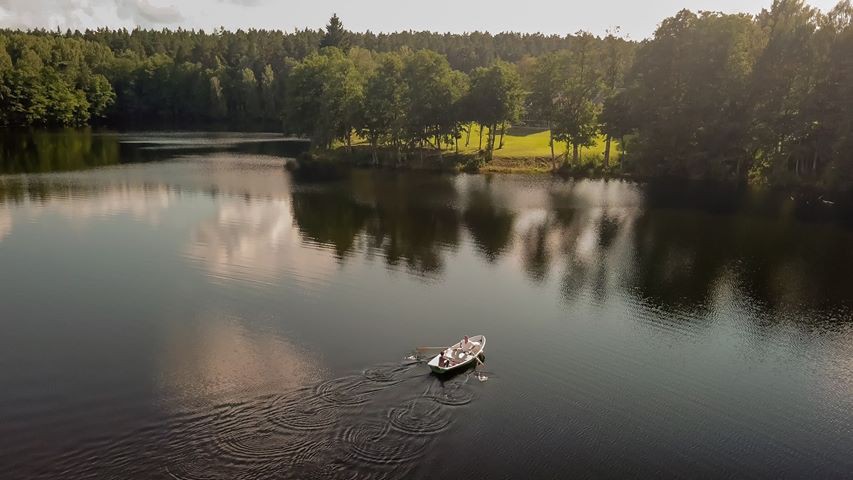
x: 763, y: 99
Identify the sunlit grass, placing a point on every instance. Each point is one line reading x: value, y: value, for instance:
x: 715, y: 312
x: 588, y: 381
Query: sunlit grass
x: 525, y: 149
x: 529, y: 143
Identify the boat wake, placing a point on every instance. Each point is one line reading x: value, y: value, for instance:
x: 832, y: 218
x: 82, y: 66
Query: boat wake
x: 376, y: 424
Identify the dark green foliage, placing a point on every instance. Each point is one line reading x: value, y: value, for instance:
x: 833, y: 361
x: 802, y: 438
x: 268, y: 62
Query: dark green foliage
x: 335, y: 35
x: 764, y: 99
x: 383, y: 113
x: 43, y: 150
x: 47, y: 80
x: 432, y: 92
x: 324, y: 97
x: 833, y: 99
x: 184, y: 76
x: 687, y: 95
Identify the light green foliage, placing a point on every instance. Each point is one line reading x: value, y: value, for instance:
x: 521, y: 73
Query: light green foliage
x: 363, y: 59
x: 545, y: 84
x: 99, y: 94
x: 495, y: 98
x: 454, y: 117
x: 269, y: 101
x: 324, y: 97
x: 431, y: 95
x: 567, y: 92
x: 383, y: 114
x: 616, y: 57
x: 577, y: 102
x: 247, y: 102
x: 218, y: 104
x: 765, y: 98
x: 64, y: 104
x: 50, y: 81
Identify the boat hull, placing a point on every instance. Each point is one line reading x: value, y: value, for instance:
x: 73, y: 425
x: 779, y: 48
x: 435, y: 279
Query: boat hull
x: 455, y: 368
x: 463, y: 357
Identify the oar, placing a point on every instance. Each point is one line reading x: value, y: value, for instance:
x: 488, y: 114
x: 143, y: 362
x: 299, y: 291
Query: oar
x: 428, y: 349
x: 479, y: 362
x: 480, y: 376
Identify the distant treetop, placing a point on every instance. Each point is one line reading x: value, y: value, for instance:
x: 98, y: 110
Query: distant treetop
x: 336, y: 35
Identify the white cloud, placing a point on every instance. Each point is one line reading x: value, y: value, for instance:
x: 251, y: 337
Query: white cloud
x: 144, y: 10
x: 88, y: 13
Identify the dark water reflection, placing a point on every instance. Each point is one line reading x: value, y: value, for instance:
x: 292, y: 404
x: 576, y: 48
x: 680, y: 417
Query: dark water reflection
x: 377, y: 211
x: 46, y: 151
x: 208, y: 316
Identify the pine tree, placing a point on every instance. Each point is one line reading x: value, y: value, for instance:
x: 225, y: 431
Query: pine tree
x: 335, y: 35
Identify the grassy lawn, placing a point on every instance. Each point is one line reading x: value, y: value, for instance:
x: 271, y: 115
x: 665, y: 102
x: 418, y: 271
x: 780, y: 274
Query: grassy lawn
x: 525, y: 150
x: 530, y: 143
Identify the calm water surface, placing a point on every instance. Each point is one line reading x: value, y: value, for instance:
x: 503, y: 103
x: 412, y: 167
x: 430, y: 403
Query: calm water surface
x: 178, y: 306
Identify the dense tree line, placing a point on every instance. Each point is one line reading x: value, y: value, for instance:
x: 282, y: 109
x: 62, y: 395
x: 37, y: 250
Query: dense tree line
x: 72, y: 78
x: 398, y: 100
x: 765, y: 98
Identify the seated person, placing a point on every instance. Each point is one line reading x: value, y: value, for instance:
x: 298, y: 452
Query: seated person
x: 468, y: 346
x: 443, y: 361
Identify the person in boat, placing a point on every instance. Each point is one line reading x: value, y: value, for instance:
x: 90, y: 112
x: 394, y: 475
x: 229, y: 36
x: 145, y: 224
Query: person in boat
x: 465, y: 345
x: 443, y: 361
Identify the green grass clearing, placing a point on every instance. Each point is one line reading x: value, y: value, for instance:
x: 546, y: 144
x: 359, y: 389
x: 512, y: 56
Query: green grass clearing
x: 529, y: 143
x: 525, y: 150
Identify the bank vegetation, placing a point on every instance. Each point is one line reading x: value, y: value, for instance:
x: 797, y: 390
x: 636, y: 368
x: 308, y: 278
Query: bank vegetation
x: 760, y: 99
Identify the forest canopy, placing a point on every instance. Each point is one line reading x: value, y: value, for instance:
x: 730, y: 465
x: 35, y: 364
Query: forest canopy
x: 764, y: 98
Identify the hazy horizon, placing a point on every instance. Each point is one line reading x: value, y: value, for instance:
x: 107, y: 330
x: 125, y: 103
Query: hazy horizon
x: 635, y: 20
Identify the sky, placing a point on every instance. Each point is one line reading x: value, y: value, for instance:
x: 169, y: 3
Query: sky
x: 636, y: 19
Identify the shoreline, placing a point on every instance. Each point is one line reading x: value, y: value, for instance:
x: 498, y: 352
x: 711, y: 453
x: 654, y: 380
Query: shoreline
x: 320, y: 164
x: 449, y: 161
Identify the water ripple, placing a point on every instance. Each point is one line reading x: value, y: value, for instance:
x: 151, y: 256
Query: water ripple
x: 456, y: 393
x: 376, y: 443
x: 350, y: 427
x: 346, y: 391
x: 420, y: 417
x: 387, y: 374
x: 293, y: 413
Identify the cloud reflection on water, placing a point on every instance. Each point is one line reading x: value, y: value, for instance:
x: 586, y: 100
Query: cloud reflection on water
x: 144, y: 204
x: 254, y: 240
x: 603, y: 238
x: 5, y: 222
x: 215, y: 358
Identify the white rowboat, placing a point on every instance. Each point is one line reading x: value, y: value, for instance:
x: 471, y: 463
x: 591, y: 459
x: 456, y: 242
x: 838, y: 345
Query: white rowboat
x: 459, y: 355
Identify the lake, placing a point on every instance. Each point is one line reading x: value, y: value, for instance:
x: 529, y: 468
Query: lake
x: 178, y: 305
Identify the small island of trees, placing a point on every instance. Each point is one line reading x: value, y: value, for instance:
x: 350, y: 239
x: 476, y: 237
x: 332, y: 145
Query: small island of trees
x: 763, y: 99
